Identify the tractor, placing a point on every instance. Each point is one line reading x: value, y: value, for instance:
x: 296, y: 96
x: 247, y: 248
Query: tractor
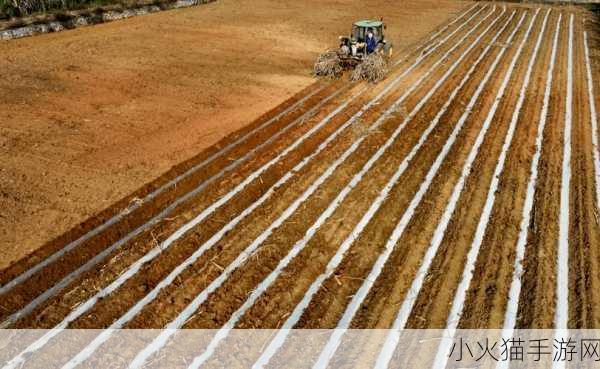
x: 368, y: 60
x: 353, y: 48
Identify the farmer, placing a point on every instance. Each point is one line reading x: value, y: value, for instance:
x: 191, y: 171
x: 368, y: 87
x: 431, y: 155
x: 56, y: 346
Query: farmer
x: 371, y: 42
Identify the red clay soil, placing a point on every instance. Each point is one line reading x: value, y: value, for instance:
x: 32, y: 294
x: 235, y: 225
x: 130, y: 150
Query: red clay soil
x: 90, y: 115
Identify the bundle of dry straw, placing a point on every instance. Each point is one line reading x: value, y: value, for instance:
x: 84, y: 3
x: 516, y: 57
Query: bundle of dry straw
x: 328, y: 64
x: 373, y: 69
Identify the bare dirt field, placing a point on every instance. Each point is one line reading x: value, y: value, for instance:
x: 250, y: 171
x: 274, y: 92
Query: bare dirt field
x: 460, y: 192
x: 91, y: 115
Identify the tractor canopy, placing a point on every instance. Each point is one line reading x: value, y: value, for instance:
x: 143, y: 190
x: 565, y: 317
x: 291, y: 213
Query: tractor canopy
x: 359, y: 29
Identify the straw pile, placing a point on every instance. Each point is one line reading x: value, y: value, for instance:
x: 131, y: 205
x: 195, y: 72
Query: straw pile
x: 373, y: 68
x: 328, y: 64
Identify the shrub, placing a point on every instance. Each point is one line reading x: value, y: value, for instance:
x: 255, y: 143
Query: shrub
x: 19, y: 8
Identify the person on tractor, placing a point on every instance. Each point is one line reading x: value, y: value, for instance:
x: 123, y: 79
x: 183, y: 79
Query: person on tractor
x: 371, y: 42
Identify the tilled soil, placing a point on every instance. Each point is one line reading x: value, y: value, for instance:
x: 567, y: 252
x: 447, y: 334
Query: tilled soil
x: 253, y: 248
x: 91, y: 115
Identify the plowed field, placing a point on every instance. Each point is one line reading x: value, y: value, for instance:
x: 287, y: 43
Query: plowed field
x: 460, y: 192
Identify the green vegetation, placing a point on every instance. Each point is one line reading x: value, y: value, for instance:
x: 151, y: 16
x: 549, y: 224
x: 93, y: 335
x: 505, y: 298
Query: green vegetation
x: 20, y: 8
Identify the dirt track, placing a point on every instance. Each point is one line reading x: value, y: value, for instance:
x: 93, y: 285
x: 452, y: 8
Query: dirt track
x: 398, y: 205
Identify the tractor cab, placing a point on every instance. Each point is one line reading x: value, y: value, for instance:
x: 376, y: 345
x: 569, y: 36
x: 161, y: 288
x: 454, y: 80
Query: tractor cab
x: 360, y: 28
x: 353, y: 48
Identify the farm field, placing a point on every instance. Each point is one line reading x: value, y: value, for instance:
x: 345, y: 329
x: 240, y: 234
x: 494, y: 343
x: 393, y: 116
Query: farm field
x: 460, y: 192
x: 92, y: 115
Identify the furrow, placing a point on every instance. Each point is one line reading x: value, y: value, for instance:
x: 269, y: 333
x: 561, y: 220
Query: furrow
x: 300, y: 245
x: 467, y: 276
x: 81, y: 309
x: 561, y: 317
x: 160, y: 341
x: 41, y: 282
x: 407, y: 306
x: 359, y: 297
x: 20, y: 278
x: 510, y: 316
x: 584, y: 231
x: 538, y: 290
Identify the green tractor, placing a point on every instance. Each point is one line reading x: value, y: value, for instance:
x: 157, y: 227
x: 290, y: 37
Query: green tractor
x: 367, y: 56
x: 353, y: 48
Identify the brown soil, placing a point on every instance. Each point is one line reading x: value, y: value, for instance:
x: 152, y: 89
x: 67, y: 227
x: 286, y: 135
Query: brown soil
x: 585, y: 228
x: 355, y: 268
x: 389, y: 291
x: 92, y: 114
x: 334, y: 231
x: 485, y: 302
x: 488, y: 292
x: 539, y: 277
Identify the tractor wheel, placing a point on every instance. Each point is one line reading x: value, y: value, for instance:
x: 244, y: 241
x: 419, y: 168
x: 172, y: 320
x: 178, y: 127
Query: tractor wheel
x: 389, y: 50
